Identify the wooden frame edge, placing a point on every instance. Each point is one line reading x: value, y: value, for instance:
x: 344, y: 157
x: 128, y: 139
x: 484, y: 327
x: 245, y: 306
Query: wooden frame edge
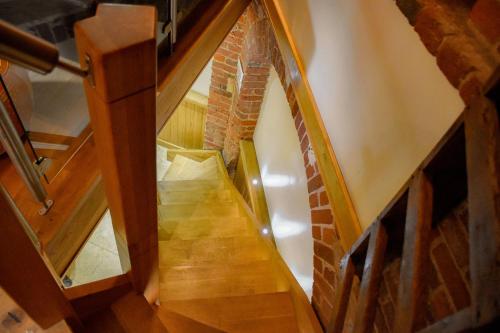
x: 345, y: 216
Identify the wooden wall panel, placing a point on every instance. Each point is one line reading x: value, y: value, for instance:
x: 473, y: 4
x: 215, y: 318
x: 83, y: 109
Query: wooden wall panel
x: 186, y: 127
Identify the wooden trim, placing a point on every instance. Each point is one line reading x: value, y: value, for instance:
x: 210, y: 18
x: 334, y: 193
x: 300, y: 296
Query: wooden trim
x: 457, y: 322
x: 306, y: 318
x: 251, y: 171
x: 177, y: 72
x: 58, y: 165
x: 415, y: 255
x: 51, y: 138
x: 345, y: 217
x: 96, y: 296
x: 95, y: 287
x: 342, y: 294
x: 167, y: 144
x: 372, y: 272
x: 24, y: 274
x: 196, y: 97
x: 483, y: 177
x: 73, y: 234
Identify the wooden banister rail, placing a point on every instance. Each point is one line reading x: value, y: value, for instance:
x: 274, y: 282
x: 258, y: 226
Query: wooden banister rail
x: 193, y: 50
x: 120, y: 40
x: 249, y: 182
x: 464, y: 165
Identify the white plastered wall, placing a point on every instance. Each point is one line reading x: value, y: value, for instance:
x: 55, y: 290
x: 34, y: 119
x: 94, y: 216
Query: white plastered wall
x: 384, y: 101
x: 285, y: 182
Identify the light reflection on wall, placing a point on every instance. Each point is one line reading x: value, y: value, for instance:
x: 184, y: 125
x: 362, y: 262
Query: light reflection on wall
x: 283, y: 228
x: 285, y: 182
x: 276, y: 180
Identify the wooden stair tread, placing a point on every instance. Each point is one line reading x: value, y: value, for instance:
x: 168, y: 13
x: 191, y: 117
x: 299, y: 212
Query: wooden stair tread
x: 204, y: 228
x: 184, y: 168
x: 178, y: 323
x: 217, y: 195
x: 197, y: 210
x: 183, y: 282
x: 228, y: 312
x: 215, y: 268
x: 190, y: 185
x: 286, y: 324
x: 212, y: 250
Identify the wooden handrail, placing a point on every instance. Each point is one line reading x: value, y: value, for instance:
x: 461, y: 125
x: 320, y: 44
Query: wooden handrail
x: 193, y: 50
x: 474, y: 140
x: 249, y: 182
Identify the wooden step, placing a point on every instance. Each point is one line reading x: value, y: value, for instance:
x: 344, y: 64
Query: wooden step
x: 189, y: 185
x: 205, y: 196
x: 233, y: 313
x: 283, y: 324
x: 188, y: 282
x: 197, y: 211
x: 184, y: 168
x: 231, y: 250
x: 135, y: 314
x: 205, y: 228
x: 178, y: 323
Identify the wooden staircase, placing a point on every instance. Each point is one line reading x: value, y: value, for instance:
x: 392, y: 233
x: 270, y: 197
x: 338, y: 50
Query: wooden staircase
x: 217, y: 272
x: 214, y: 266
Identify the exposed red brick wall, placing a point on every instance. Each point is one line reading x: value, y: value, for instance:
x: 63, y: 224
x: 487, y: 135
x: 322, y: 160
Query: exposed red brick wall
x: 327, y: 247
x: 255, y: 64
x: 232, y: 115
x: 464, y: 36
x: 220, y: 97
x: 447, y: 277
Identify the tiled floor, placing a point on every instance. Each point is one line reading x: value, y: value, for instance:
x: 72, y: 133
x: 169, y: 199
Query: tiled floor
x: 99, y: 257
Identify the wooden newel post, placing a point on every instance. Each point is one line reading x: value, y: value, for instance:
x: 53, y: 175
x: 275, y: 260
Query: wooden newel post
x: 120, y: 41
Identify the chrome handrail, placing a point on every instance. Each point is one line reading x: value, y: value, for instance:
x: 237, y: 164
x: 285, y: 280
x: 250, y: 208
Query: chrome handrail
x: 19, y: 157
x: 36, y: 54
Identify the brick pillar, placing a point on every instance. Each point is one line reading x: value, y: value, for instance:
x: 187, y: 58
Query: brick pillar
x: 255, y: 58
x: 220, y: 98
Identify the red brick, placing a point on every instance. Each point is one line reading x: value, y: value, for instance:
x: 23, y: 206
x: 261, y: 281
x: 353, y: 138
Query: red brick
x: 313, y: 200
x: 453, y: 61
x: 318, y: 263
x: 486, y: 16
x: 329, y: 236
x: 456, y: 239
x: 323, y: 286
x: 451, y: 276
x: 316, y: 232
x: 324, y: 252
x: 432, y: 24
x: 439, y: 304
x: 304, y: 145
x: 321, y: 216
x: 470, y: 89
x: 314, y: 183
x: 330, y: 277
x: 323, y: 198
x: 391, y: 277
x: 380, y: 323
